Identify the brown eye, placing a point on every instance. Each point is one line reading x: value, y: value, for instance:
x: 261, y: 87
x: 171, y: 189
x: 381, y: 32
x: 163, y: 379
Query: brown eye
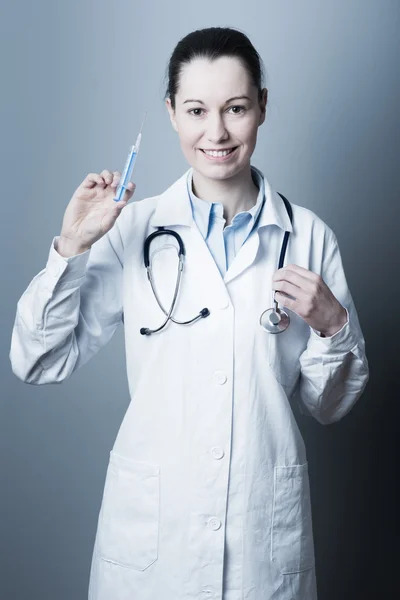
x: 238, y: 109
x: 193, y: 111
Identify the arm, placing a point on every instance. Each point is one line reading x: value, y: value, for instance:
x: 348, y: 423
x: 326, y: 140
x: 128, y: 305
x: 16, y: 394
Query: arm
x: 68, y: 312
x: 334, y: 369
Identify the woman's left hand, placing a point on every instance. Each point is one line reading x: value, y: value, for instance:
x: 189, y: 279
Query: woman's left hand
x: 312, y: 299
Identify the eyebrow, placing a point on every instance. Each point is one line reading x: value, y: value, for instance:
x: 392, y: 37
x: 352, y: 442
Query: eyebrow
x: 227, y: 101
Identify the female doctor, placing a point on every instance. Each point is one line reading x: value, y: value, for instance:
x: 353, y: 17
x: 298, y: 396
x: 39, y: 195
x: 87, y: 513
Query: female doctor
x: 206, y: 494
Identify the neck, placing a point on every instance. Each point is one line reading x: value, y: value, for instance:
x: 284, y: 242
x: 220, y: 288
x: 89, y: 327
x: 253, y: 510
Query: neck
x: 236, y: 194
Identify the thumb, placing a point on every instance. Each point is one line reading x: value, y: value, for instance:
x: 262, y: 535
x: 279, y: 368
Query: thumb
x: 127, y: 195
x: 130, y: 190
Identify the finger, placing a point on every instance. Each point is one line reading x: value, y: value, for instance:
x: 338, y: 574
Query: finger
x: 288, y: 275
x: 107, y: 176
x: 301, y: 271
x: 130, y: 188
x: 127, y: 195
x: 91, y: 180
x: 120, y: 204
x: 129, y: 191
x: 288, y: 289
x: 116, y: 179
x: 286, y: 301
x: 285, y: 275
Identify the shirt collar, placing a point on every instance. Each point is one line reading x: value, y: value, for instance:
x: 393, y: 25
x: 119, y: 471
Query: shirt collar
x: 202, y: 209
x: 174, y: 206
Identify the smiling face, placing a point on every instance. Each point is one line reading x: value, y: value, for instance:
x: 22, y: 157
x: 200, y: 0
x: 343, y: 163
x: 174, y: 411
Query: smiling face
x: 217, y: 115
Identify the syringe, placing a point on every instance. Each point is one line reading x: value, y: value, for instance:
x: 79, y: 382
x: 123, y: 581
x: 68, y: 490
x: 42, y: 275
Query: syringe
x: 130, y: 163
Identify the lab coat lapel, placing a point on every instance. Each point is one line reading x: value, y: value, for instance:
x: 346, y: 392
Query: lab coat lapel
x: 273, y: 214
x: 204, y: 267
x: 201, y: 273
x: 244, y: 258
x: 173, y: 206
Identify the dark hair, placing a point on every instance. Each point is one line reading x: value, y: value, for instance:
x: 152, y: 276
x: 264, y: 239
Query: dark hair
x: 213, y: 43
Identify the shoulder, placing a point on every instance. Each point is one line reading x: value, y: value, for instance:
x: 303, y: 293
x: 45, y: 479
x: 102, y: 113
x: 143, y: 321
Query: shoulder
x: 306, y: 221
x: 138, y: 212
x: 308, y: 227
x: 141, y: 209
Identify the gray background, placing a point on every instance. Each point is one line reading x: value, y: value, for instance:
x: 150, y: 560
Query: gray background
x: 76, y: 79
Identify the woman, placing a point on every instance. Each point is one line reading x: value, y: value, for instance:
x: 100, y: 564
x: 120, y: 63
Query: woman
x: 207, y: 492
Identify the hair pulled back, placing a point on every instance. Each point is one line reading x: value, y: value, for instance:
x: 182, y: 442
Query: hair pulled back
x: 212, y: 43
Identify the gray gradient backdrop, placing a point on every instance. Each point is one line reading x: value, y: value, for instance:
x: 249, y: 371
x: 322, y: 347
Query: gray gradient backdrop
x: 76, y: 79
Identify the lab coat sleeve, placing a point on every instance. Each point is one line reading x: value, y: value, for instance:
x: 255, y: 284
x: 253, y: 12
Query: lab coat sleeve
x: 334, y: 370
x: 68, y: 312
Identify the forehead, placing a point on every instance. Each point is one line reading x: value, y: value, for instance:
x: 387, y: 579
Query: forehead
x: 222, y: 78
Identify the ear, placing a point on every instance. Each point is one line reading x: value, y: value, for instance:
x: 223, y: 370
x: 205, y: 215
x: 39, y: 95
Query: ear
x: 263, y: 105
x: 171, y: 114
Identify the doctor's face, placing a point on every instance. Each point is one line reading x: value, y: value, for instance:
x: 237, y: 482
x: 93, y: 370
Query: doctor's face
x: 217, y: 115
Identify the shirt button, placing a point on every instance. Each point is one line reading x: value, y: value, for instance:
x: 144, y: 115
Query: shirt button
x: 217, y: 452
x: 220, y: 378
x: 214, y: 523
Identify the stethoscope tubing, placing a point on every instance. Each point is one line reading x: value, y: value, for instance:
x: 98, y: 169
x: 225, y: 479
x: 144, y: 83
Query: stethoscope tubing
x: 278, y: 320
x: 181, y: 254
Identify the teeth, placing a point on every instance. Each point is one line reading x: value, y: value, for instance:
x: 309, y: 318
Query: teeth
x: 216, y: 153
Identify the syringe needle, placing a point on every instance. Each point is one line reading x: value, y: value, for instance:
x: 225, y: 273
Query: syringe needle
x: 139, y: 137
x: 144, y: 118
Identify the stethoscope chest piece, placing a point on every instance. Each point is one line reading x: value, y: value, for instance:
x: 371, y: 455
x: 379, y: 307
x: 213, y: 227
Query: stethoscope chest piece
x: 274, y: 320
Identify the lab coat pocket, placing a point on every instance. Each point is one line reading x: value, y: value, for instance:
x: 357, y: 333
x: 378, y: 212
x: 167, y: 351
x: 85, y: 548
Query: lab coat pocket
x: 292, y: 546
x: 129, y: 516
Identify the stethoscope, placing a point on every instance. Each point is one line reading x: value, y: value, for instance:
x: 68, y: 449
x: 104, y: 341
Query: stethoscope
x: 273, y: 320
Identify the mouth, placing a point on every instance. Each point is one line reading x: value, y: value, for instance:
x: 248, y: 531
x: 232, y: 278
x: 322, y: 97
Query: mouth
x: 219, y: 155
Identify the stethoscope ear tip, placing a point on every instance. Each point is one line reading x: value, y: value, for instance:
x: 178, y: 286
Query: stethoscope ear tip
x: 204, y: 312
x: 145, y: 331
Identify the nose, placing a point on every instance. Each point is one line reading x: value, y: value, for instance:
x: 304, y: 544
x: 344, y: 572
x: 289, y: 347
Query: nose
x: 216, y: 130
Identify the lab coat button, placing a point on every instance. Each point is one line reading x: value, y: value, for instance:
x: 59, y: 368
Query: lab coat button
x: 206, y: 594
x: 217, y: 452
x: 214, y: 523
x: 220, y: 378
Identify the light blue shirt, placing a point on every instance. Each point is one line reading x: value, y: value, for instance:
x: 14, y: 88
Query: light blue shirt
x: 225, y: 243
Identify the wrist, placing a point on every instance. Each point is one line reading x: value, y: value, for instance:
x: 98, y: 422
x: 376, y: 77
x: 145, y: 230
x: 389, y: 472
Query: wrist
x: 67, y: 247
x: 342, y: 320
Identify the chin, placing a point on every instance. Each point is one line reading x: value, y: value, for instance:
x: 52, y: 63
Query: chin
x: 219, y: 172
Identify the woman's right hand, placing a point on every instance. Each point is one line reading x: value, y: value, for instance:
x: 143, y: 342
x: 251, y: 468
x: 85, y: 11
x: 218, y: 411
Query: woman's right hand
x: 91, y: 212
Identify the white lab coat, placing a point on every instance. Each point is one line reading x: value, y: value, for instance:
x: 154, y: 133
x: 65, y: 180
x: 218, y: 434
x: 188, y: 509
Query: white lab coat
x: 206, y: 495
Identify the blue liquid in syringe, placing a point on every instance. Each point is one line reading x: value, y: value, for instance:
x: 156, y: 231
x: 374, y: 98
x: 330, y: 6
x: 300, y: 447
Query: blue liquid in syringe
x: 126, y: 175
